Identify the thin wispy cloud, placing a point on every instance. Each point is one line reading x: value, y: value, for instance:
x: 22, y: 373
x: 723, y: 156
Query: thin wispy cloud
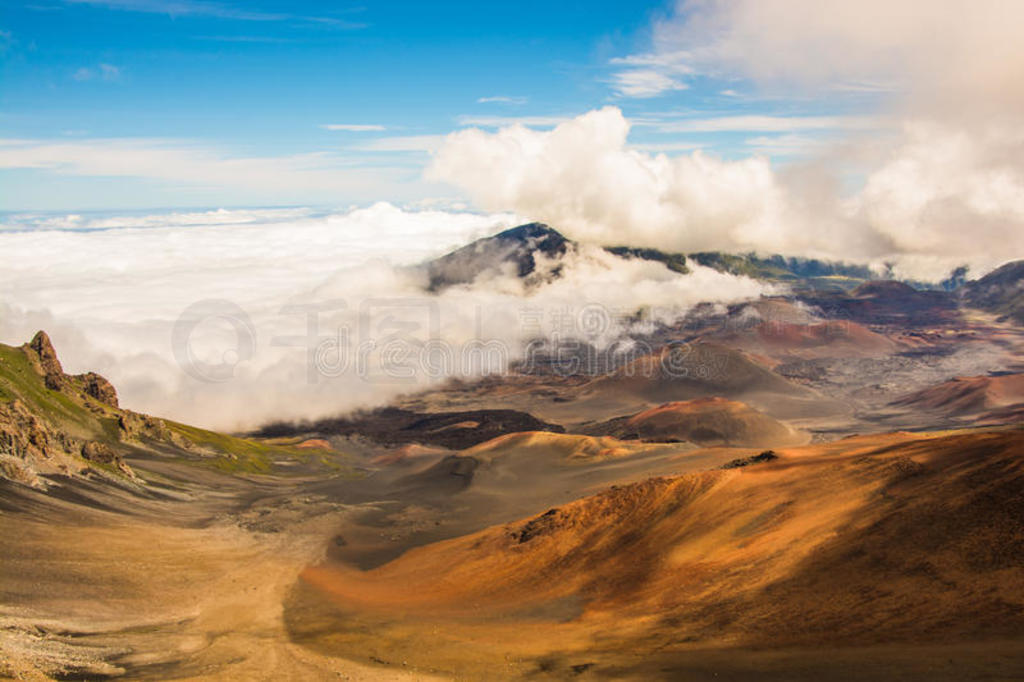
x: 180, y: 8
x: 188, y: 164
x: 763, y: 123
x: 502, y: 121
x: 354, y: 127
x: 787, y: 145
x: 246, y: 39
x: 650, y: 75
x: 403, y: 143
x: 643, y: 83
x: 502, y: 99
x: 103, y: 72
x: 666, y: 147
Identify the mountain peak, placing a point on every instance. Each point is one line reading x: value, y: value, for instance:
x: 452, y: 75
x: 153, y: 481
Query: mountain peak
x: 44, y: 356
x: 529, y: 231
x: 518, y: 246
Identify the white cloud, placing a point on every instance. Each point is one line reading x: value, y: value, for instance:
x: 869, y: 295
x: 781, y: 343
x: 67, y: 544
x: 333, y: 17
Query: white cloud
x: 946, y: 53
x: 582, y: 178
x: 651, y: 74
x: 502, y: 99
x: 204, y: 8
x: 110, y: 298
x: 353, y: 127
x: 667, y: 147
x: 922, y: 207
x: 765, y: 123
x: 500, y: 121
x: 194, y: 165
x: 106, y: 72
x: 676, y: 62
x: 402, y: 143
x: 643, y: 83
x: 935, y: 144
x: 786, y: 145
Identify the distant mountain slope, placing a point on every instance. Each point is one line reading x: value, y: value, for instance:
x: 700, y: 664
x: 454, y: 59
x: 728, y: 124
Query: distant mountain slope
x: 1000, y: 291
x: 522, y: 250
x: 967, y: 395
x: 703, y: 421
x: 886, y: 302
x: 697, y: 370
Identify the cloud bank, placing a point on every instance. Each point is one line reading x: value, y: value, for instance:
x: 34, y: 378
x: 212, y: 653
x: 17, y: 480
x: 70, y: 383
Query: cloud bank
x: 118, y: 290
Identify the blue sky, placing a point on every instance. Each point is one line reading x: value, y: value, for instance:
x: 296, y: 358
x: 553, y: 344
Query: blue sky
x: 108, y: 104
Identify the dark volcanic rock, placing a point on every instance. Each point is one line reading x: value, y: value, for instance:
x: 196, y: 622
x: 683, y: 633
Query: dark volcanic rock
x: 392, y: 426
x: 1000, y: 291
x: 676, y: 262
x: 886, y: 302
x: 766, y: 456
x: 517, y: 248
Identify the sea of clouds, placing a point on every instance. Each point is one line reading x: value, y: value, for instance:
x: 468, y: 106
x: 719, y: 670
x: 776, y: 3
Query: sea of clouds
x: 231, y: 318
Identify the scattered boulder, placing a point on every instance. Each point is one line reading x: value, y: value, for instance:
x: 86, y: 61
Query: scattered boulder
x: 766, y: 456
x: 134, y: 426
x: 99, y: 453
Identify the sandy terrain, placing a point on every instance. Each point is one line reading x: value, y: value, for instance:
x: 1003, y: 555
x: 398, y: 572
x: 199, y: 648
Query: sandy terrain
x: 892, y: 545
x: 189, y: 591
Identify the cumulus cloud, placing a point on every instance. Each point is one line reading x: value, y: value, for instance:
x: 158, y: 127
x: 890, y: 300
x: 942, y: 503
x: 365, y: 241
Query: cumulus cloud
x: 930, y: 179
x: 941, y: 50
x: 117, y: 287
x: 582, y: 177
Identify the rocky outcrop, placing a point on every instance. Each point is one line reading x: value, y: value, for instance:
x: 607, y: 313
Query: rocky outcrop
x: 28, y: 446
x: 99, y: 388
x: 134, y: 426
x: 101, y: 453
x: 44, y: 357
x: 41, y: 435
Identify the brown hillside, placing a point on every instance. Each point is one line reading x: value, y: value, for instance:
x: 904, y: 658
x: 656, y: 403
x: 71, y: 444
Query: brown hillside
x: 897, y: 538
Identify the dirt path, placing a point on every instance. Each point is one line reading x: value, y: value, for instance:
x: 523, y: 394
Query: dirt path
x: 107, y: 596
